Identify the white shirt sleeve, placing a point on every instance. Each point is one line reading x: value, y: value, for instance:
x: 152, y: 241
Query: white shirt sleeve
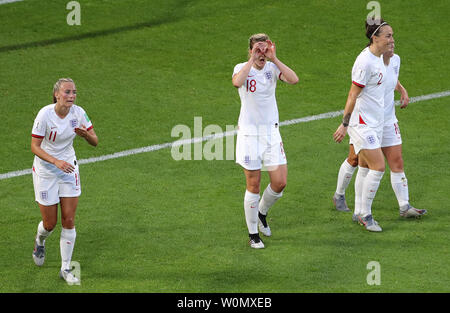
x: 277, y: 72
x: 238, y: 68
x: 40, y: 125
x: 360, y: 73
x: 84, y: 119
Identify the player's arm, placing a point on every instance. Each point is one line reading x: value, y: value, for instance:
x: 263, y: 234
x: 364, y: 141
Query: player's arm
x: 287, y: 74
x: 240, y: 77
x: 341, y: 131
x: 89, y: 135
x: 37, y: 150
x: 404, y: 98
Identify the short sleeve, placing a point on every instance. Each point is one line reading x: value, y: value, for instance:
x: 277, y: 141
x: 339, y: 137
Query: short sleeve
x: 360, y: 73
x: 397, y: 60
x: 85, y: 120
x: 40, y: 125
x: 238, y: 68
x: 277, y: 71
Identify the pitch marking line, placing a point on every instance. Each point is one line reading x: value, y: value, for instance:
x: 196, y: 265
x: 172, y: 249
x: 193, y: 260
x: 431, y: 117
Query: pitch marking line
x: 215, y: 136
x: 8, y: 1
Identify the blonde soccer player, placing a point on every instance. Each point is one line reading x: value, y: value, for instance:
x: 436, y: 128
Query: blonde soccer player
x: 364, y: 119
x: 56, y: 177
x: 391, y: 145
x: 259, y: 141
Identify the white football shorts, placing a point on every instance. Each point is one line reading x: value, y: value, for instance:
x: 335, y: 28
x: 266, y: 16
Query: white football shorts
x: 364, y: 137
x: 49, y: 188
x: 391, y: 135
x: 256, y: 152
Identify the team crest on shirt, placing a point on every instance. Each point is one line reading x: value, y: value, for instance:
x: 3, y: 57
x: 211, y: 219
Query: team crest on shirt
x: 73, y: 123
x: 396, y: 69
x: 268, y: 75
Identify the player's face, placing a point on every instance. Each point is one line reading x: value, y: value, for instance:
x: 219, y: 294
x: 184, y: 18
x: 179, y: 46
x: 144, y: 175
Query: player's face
x: 66, y: 94
x: 390, y: 52
x: 385, y: 40
x: 260, y: 49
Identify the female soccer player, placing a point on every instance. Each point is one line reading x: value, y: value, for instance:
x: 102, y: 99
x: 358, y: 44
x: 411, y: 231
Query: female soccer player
x: 258, y: 141
x: 364, y: 118
x: 391, y: 145
x: 56, y: 177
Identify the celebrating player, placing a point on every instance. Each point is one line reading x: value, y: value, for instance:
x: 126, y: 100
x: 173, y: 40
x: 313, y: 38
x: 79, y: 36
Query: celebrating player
x: 391, y: 145
x: 259, y: 141
x: 364, y: 119
x: 56, y: 177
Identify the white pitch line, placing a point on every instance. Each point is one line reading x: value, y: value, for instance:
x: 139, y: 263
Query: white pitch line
x: 215, y: 136
x: 8, y: 1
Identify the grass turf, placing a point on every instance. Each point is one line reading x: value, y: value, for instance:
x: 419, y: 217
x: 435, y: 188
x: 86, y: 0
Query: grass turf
x: 147, y: 223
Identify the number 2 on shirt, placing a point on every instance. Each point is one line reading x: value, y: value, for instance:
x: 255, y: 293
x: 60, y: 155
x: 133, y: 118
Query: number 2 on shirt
x: 381, y: 77
x: 251, y: 85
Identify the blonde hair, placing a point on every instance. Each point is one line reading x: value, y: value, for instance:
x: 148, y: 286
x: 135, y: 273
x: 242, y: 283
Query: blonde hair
x: 257, y: 38
x: 58, y: 85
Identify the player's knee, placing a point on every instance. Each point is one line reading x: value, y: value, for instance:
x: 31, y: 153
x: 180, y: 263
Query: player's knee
x: 68, y: 222
x: 49, y: 225
x: 278, y: 186
x: 353, y: 160
x: 253, y: 188
x: 379, y: 168
x: 397, y: 165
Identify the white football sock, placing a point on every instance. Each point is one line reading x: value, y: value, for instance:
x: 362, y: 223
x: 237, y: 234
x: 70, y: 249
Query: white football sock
x: 344, y: 177
x: 400, y: 185
x: 251, y: 211
x: 66, y: 244
x: 42, y: 234
x: 370, y: 187
x: 359, y: 183
x: 268, y: 199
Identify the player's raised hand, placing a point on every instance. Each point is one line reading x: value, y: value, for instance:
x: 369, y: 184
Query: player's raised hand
x: 82, y: 131
x: 258, y: 49
x: 271, y: 51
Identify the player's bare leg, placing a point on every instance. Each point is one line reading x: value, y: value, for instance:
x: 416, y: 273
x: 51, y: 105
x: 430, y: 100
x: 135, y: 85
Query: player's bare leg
x: 399, y: 182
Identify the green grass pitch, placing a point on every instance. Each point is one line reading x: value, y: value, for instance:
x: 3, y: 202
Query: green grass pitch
x: 147, y: 223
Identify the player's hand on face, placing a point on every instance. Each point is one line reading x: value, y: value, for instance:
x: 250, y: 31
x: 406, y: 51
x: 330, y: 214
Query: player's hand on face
x: 258, y: 49
x: 271, y: 50
x: 340, y: 133
x: 64, y: 166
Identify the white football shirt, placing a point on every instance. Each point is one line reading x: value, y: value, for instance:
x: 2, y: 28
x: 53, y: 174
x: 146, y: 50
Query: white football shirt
x: 369, y: 72
x: 58, y: 135
x: 259, y: 111
x: 392, y: 72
